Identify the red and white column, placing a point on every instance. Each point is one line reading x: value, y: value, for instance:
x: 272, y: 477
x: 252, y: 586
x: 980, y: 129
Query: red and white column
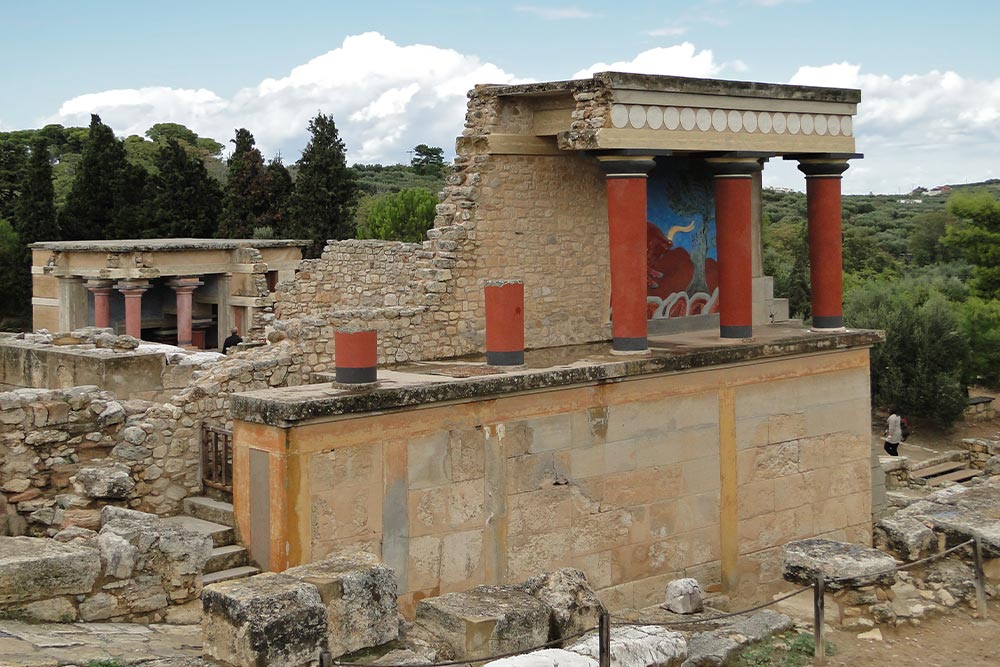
x: 356, y: 356
x: 733, y: 238
x: 626, y: 186
x: 101, y: 289
x: 823, y: 180
x: 184, y: 287
x: 133, y: 290
x: 504, y: 322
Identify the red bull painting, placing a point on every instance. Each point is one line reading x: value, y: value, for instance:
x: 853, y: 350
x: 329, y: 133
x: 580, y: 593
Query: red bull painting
x: 682, y: 276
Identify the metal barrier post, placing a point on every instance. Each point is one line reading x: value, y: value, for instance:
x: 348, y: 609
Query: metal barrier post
x: 604, y: 639
x: 980, y: 578
x: 819, y: 620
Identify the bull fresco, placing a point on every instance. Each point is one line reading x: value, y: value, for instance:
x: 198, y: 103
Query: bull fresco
x: 682, y: 276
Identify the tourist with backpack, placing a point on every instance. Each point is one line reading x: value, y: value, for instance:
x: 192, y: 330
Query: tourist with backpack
x: 893, y: 432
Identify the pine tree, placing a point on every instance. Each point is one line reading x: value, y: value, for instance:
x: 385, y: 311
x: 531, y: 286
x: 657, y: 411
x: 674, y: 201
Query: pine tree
x: 245, y: 196
x: 105, y: 201
x: 326, y: 190
x: 184, y: 201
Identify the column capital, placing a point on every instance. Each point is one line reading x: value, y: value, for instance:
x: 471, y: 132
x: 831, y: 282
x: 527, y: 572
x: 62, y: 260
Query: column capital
x: 100, y: 284
x: 132, y: 286
x: 821, y: 168
x: 734, y: 167
x: 185, y: 282
x: 626, y: 166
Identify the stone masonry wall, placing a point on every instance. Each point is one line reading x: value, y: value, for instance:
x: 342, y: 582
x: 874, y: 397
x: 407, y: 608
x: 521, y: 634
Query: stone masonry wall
x: 624, y: 481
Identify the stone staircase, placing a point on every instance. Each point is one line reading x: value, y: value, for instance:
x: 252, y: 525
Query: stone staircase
x: 949, y: 471
x: 216, y: 519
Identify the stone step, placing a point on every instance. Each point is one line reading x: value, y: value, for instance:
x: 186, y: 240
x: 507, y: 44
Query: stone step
x: 209, y: 509
x: 221, y: 535
x: 956, y: 476
x: 227, y: 558
x: 938, y: 469
x: 232, y: 573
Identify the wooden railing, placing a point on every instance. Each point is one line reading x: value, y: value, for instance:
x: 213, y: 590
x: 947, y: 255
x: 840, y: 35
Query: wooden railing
x: 217, y: 458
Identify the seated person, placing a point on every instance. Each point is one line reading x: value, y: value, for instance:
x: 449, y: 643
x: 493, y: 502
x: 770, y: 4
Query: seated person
x: 233, y: 340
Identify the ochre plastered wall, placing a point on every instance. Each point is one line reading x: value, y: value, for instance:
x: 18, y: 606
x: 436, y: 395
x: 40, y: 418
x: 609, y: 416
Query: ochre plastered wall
x: 706, y: 473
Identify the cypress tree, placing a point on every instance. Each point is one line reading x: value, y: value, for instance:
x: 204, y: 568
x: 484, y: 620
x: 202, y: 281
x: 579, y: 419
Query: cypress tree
x: 184, y: 201
x: 326, y: 190
x: 245, y: 195
x: 35, y: 213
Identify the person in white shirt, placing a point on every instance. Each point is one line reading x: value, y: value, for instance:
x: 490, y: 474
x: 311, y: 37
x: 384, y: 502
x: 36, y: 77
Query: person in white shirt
x: 893, y: 433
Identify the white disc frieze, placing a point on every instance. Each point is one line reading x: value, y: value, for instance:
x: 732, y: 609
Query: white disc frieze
x: 764, y: 122
x: 718, y: 120
x: 704, y: 119
x: 637, y: 116
x: 688, y: 118
x: 833, y: 125
x: 779, y: 123
x: 654, y: 117
x: 619, y: 115
x: 671, y: 118
x: 750, y: 121
x: 846, y: 126
x: 735, y: 121
x: 794, y: 123
x: 807, y: 122
x: 821, y: 125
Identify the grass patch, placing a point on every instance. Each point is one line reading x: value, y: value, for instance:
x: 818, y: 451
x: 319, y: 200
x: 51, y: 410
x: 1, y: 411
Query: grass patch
x: 787, y: 650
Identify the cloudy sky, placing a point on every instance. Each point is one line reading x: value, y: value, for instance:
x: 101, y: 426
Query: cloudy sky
x: 395, y: 74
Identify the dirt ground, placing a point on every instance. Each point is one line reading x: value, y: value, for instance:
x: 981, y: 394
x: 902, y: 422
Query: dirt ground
x: 958, y: 639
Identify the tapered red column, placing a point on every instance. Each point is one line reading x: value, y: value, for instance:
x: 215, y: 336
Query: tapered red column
x: 733, y: 238
x: 823, y: 180
x: 133, y: 291
x: 101, y: 289
x: 626, y: 185
x: 504, y: 322
x: 184, y: 287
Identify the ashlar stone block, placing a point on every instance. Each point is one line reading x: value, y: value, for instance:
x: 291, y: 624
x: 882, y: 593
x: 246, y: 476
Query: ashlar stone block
x: 359, y: 594
x: 35, y: 568
x: 485, y: 621
x: 267, y: 620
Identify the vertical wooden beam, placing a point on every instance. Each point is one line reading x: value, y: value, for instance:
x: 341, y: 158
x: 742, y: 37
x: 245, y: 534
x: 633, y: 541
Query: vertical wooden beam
x: 729, y: 489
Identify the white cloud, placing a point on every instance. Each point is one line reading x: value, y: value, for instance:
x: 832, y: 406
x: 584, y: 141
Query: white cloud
x: 555, y: 13
x: 679, y: 60
x: 667, y: 31
x: 385, y: 98
x: 917, y: 129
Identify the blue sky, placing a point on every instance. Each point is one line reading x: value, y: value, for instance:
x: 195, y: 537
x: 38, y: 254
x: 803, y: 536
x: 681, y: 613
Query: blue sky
x: 928, y: 71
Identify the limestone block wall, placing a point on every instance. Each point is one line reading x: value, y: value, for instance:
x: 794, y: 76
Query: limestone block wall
x: 704, y: 473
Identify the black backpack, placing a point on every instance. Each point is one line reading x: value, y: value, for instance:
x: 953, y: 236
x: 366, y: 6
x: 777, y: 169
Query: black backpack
x: 904, y: 428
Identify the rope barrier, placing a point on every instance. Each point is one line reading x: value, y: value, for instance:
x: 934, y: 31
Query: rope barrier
x: 906, y: 566
x: 697, y: 621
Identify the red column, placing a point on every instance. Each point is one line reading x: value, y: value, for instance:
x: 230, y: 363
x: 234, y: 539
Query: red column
x: 823, y: 179
x: 102, y: 302
x: 626, y: 186
x: 133, y: 291
x: 356, y: 356
x: 733, y: 228
x: 504, y: 322
x: 184, y: 287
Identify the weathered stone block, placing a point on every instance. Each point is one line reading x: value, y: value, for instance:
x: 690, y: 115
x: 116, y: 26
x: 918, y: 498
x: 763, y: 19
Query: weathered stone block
x: 574, y: 604
x: 684, y: 596
x: 907, y: 536
x: 33, y: 568
x: 550, y: 657
x: 485, y: 621
x: 359, y: 594
x: 638, y: 646
x: 269, y: 619
x: 114, y: 481
x: 844, y: 565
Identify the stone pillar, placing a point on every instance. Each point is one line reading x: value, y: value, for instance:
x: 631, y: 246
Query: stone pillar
x: 184, y: 287
x: 101, y: 289
x: 823, y: 178
x: 133, y: 290
x: 626, y: 185
x: 734, y: 240
x: 224, y: 311
x: 72, y: 303
x: 504, y: 322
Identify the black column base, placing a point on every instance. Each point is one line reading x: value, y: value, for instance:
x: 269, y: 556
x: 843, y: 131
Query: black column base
x: 629, y: 344
x: 734, y: 331
x: 505, y: 358
x: 828, y: 321
x: 356, y: 375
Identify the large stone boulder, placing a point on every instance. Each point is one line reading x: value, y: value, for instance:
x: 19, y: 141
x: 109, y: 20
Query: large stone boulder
x: 718, y: 647
x: 35, y: 568
x: 485, y: 621
x: 110, y: 482
x: 843, y: 565
x: 359, y: 593
x: 684, y: 596
x: 960, y: 513
x: 575, y: 606
x: 549, y: 657
x: 267, y: 620
x: 905, y: 536
x: 638, y: 646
